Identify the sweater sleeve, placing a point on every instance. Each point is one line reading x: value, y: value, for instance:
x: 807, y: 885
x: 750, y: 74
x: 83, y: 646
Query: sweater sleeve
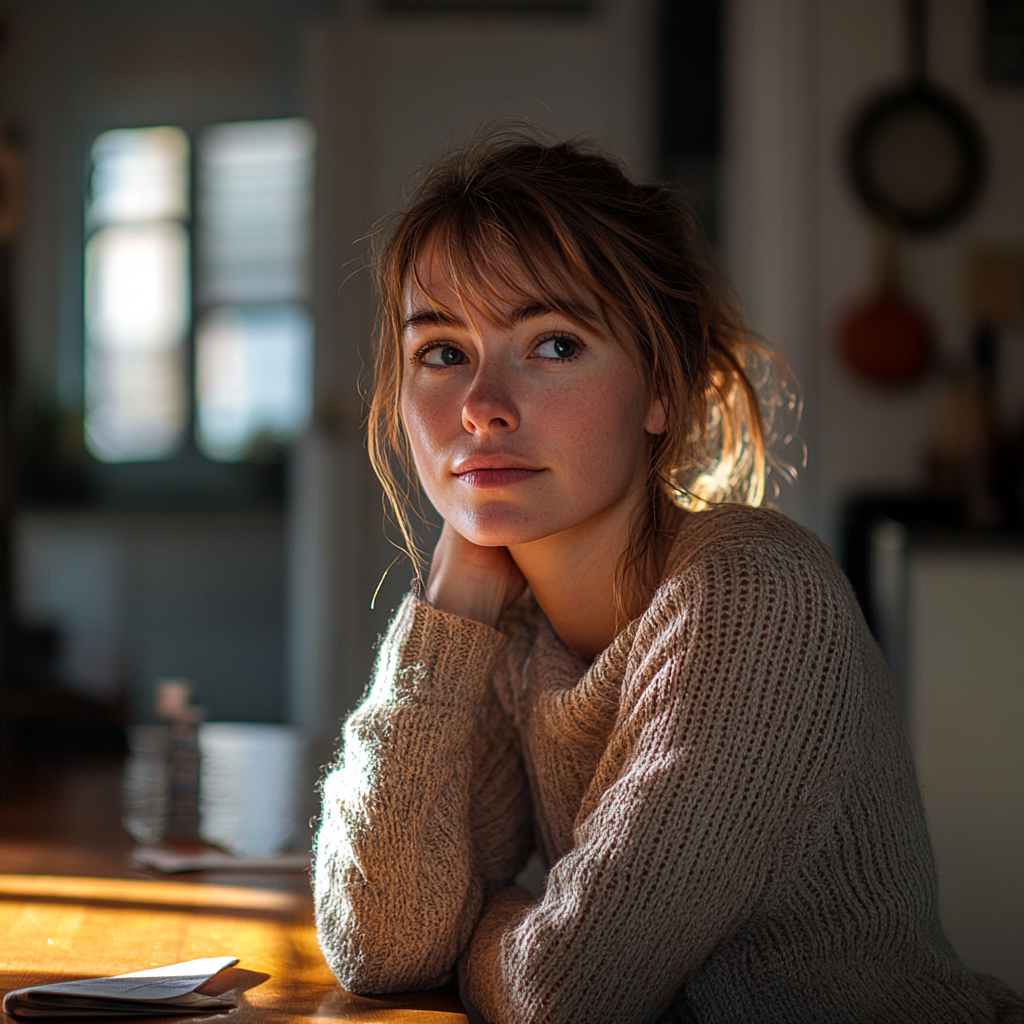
x: 732, y: 707
x: 427, y: 812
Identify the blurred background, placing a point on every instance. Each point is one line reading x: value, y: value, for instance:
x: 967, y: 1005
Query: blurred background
x: 184, y: 489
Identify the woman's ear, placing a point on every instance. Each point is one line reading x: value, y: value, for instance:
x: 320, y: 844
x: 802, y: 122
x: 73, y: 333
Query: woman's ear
x: 657, y: 419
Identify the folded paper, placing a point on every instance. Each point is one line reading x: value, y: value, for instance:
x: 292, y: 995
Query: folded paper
x: 156, y: 992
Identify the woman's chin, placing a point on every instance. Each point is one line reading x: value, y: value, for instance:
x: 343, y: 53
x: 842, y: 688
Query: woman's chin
x: 498, y: 526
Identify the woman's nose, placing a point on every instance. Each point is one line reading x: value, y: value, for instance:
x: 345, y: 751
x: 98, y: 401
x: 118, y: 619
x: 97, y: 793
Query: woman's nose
x: 490, y: 403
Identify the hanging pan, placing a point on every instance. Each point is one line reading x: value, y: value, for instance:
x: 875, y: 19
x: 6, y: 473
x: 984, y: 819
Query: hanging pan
x: 916, y: 155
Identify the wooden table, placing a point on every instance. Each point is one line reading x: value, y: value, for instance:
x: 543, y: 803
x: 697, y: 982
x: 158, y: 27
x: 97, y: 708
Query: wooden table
x: 56, y: 928
x: 57, y: 925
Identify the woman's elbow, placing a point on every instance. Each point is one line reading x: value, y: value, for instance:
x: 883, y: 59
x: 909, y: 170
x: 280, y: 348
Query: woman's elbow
x: 372, y: 958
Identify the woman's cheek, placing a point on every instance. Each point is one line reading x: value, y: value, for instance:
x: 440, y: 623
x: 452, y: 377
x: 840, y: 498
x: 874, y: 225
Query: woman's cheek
x: 424, y: 418
x: 598, y: 428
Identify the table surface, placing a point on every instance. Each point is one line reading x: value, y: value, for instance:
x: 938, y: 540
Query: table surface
x: 57, y: 925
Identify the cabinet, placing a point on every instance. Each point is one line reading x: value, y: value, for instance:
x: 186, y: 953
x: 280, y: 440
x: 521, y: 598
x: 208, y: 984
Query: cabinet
x: 950, y: 613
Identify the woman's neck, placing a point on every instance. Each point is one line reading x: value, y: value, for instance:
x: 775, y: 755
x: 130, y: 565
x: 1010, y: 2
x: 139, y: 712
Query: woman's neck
x: 572, y: 576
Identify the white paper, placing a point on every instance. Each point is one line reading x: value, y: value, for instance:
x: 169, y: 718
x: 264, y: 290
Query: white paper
x: 160, y: 990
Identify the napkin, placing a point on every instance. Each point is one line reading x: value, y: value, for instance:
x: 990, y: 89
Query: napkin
x: 162, y: 990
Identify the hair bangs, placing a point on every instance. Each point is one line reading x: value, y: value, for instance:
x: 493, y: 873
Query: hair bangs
x: 493, y: 266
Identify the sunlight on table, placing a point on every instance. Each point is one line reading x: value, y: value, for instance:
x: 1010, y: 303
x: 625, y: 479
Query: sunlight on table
x: 54, y: 928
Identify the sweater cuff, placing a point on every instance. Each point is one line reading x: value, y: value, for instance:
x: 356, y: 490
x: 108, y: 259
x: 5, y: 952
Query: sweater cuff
x: 482, y: 980
x: 433, y: 657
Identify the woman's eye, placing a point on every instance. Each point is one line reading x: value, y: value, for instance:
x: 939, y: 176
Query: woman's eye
x: 443, y: 355
x: 560, y: 347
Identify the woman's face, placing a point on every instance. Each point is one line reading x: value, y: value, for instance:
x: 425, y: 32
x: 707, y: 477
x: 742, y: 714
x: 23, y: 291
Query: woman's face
x: 525, y: 429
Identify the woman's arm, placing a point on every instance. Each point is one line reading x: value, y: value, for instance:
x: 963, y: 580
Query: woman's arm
x: 726, y: 726
x: 428, y: 812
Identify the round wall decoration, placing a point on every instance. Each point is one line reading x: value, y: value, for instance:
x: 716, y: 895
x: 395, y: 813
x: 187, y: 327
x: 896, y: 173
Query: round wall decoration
x: 916, y: 155
x: 917, y: 158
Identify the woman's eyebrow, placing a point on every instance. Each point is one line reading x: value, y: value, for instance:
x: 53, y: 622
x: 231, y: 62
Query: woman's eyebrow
x: 432, y: 318
x: 530, y: 312
x: 573, y: 310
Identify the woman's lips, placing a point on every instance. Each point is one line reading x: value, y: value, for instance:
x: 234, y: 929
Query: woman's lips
x: 497, y: 477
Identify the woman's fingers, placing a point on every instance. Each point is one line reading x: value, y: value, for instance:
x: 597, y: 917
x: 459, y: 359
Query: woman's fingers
x: 472, y: 581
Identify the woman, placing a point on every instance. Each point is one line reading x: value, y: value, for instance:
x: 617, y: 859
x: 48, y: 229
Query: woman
x: 618, y: 662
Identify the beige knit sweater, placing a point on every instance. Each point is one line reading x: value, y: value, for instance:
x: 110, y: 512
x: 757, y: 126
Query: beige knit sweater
x: 724, y: 799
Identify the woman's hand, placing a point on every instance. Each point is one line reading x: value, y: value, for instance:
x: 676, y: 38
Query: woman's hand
x: 472, y: 581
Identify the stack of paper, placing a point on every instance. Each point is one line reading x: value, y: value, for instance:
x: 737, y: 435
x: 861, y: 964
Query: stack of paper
x: 160, y: 991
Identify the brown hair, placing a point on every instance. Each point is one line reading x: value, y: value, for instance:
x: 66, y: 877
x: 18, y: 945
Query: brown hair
x: 510, y: 208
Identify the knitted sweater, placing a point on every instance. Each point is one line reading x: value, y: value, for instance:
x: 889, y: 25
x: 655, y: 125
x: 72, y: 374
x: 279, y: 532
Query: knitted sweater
x: 724, y: 801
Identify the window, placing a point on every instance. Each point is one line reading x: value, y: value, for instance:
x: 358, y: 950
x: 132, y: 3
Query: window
x: 246, y: 311
x: 137, y: 294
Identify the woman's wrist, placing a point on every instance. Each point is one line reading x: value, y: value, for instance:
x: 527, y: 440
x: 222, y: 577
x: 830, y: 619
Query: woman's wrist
x: 481, y: 603
x: 473, y: 582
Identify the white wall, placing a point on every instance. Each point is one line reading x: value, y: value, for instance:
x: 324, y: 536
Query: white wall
x: 799, y: 245
x: 769, y: 193
x: 387, y: 93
